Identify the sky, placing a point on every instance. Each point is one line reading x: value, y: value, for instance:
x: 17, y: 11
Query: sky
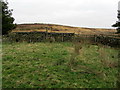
x: 78, y: 13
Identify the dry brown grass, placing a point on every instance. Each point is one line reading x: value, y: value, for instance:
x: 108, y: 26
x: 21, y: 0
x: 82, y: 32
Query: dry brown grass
x: 105, y: 60
x: 77, y: 51
x: 62, y: 29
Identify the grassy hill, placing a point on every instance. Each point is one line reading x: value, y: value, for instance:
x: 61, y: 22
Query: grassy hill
x: 62, y: 29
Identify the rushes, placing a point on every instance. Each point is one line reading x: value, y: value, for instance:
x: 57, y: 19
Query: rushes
x: 105, y: 60
x: 77, y: 48
x: 78, y: 64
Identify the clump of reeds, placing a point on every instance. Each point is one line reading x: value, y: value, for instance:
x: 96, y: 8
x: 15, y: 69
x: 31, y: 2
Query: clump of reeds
x: 106, y: 62
x: 73, y: 63
x: 77, y: 51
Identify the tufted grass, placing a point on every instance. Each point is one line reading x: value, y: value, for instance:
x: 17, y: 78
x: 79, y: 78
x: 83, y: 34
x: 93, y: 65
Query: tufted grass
x: 55, y: 65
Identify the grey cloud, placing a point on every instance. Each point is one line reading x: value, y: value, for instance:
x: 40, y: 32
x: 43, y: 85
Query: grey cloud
x: 89, y: 13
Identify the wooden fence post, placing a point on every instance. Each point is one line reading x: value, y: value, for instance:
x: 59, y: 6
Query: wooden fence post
x: 46, y: 33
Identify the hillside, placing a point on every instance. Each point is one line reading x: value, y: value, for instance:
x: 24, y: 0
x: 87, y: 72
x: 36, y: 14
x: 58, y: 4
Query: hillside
x: 62, y: 29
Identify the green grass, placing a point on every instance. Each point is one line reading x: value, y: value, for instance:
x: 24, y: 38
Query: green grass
x: 46, y: 65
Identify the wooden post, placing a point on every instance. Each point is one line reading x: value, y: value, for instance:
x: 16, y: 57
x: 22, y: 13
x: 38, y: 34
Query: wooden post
x: 62, y: 37
x: 46, y: 32
x: 51, y: 29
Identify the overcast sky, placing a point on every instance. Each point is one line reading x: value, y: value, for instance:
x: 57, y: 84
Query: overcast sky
x: 81, y: 13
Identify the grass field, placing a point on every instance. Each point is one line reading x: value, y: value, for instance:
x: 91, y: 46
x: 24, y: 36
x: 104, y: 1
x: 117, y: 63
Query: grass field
x: 58, y: 65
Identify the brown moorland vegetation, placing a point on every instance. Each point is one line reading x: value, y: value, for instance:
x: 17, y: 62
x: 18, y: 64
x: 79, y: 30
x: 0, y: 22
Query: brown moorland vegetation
x: 62, y: 29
